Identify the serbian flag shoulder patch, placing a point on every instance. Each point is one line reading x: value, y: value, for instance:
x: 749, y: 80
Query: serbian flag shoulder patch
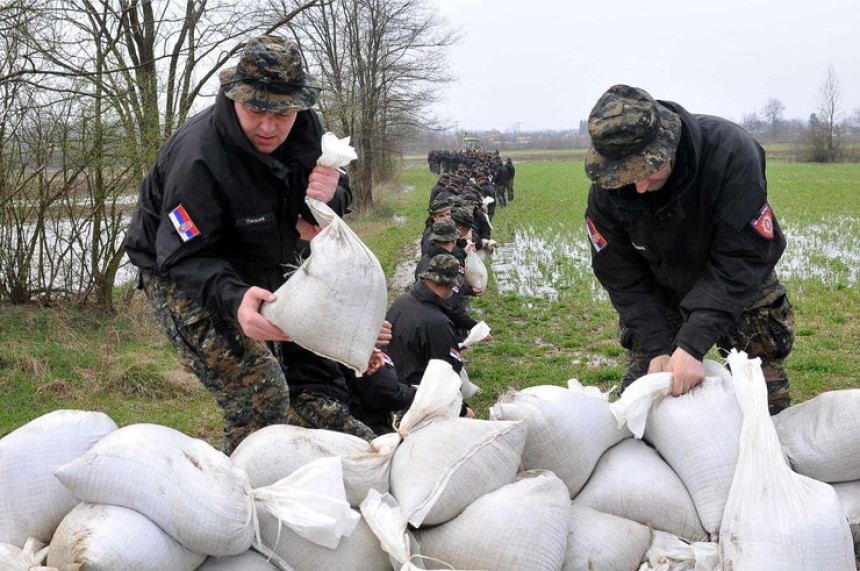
x: 763, y: 222
x: 597, y: 240
x: 185, y: 227
x: 455, y: 354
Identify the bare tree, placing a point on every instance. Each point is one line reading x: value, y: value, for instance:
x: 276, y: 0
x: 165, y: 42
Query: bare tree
x: 773, y: 112
x: 824, y: 130
x: 381, y: 61
x: 113, y: 79
x: 751, y: 122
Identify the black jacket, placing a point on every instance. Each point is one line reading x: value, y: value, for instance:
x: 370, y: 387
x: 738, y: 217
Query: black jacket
x: 692, y: 245
x: 420, y: 331
x: 243, y: 204
x: 455, y: 306
x: 374, y: 397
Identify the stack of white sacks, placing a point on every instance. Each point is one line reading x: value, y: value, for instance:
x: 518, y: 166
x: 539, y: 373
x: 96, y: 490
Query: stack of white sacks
x: 559, y: 478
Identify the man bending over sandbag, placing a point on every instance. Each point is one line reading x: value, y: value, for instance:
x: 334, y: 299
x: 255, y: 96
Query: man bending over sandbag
x: 684, y: 239
x: 218, y: 218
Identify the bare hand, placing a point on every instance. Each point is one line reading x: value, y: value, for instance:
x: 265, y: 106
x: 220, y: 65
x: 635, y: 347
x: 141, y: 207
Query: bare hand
x: 384, y: 334
x: 376, y: 362
x: 477, y: 292
x: 307, y: 230
x: 322, y: 183
x: 687, y: 371
x: 470, y: 247
x: 469, y: 413
x: 253, y: 324
x: 488, y: 338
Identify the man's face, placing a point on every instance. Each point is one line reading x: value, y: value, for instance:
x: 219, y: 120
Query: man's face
x: 444, y: 215
x: 266, y: 130
x: 656, y: 181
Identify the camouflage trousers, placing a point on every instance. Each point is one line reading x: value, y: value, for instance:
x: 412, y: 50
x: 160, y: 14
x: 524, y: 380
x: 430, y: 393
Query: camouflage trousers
x: 241, y: 373
x: 315, y: 410
x: 765, y: 330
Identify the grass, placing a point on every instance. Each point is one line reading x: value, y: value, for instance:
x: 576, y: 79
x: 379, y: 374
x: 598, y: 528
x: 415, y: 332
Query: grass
x: 63, y: 357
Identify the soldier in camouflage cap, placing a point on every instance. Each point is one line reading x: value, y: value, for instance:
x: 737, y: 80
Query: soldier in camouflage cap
x: 270, y: 77
x: 445, y: 270
x: 444, y: 231
x: 632, y: 137
x: 684, y: 240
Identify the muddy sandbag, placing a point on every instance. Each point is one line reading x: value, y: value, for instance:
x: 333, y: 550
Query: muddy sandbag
x: 335, y: 302
x: 196, y: 494
x: 569, y: 429
x: 696, y: 433
x: 597, y: 540
x: 444, y: 466
x: 821, y: 436
x: 849, y: 498
x: 249, y: 561
x: 522, y: 525
x: 632, y: 481
x: 774, y: 517
x: 670, y: 553
x: 109, y: 538
x: 32, y: 501
x: 276, y: 451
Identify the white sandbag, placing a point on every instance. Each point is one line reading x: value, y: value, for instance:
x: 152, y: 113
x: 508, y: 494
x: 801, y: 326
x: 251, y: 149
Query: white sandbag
x: 670, y: 553
x: 522, y: 525
x: 276, y: 451
x: 183, y: 484
x: 821, y: 436
x: 32, y: 501
x: 438, y: 397
x: 108, y: 538
x: 775, y: 518
x: 475, y: 271
x: 597, y: 540
x: 849, y: 498
x: 569, y: 429
x: 632, y: 481
x: 31, y: 556
x: 335, y: 302
x: 444, y: 466
x: 697, y: 434
x: 249, y: 561
x: 288, y: 550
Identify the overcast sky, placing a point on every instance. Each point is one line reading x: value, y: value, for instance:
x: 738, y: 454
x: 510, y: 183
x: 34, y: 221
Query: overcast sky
x: 541, y: 64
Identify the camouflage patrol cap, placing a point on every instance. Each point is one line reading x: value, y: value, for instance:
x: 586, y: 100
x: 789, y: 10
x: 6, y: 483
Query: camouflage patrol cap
x: 444, y: 269
x: 463, y: 216
x: 455, y: 200
x: 438, y: 206
x: 270, y: 77
x: 444, y: 231
x: 632, y: 137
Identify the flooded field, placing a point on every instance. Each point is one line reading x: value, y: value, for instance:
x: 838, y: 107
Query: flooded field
x: 540, y: 264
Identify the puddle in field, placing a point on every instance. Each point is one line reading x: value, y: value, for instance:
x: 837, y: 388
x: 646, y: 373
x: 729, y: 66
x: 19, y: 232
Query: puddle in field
x: 827, y: 253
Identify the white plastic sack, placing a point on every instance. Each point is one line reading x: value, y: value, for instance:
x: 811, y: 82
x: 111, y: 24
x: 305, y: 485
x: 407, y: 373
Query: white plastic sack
x: 821, y: 436
x: 849, y: 498
x: 249, y: 561
x: 32, y: 501
x: 569, y: 429
x: 697, y: 434
x: 14, y: 558
x: 276, y: 451
x: 467, y: 388
x: 444, y: 466
x: 383, y: 516
x: 336, y: 153
x: 632, y: 481
x: 438, y: 397
x: 522, y: 525
x: 476, y: 334
x: 335, y: 302
x: 597, y: 540
x: 109, y: 538
x: 670, y: 553
x: 476, y: 272
x: 774, y: 518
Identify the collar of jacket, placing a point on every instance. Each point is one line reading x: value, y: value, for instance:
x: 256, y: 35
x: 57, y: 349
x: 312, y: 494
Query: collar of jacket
x: 424, y: 294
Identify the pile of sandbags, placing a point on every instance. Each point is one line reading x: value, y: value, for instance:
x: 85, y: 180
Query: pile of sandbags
x: 560, y: 478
